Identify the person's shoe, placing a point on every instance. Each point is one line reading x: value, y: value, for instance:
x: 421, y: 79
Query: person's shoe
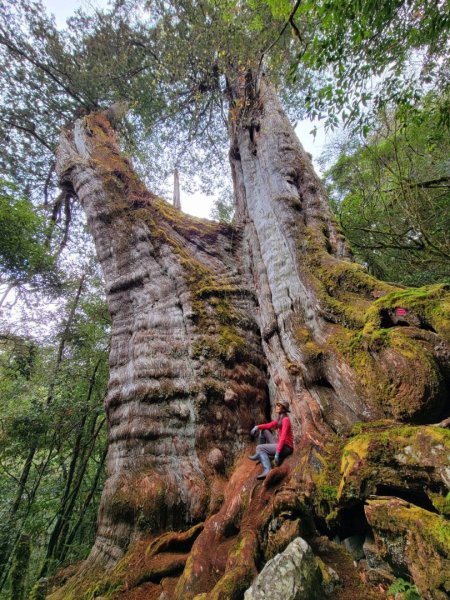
x: 254, y: 457
x: 265, y: 461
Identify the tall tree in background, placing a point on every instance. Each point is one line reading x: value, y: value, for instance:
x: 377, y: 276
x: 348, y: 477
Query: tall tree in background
x: 392, y: 196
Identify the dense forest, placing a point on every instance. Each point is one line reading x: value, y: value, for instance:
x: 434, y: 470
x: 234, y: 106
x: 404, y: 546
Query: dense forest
x: 140, y: 346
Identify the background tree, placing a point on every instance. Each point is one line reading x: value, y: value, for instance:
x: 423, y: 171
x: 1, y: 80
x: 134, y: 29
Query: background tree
x: 391, y: 193
x: 53, y: 440
x: 362, y: 56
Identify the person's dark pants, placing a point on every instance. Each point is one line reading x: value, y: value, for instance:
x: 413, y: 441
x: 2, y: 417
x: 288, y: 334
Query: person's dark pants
x: 268, y: 445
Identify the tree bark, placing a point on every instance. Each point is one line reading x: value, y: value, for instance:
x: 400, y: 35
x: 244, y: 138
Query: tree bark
x: 187, y: 374
x: 311, y: 296
x: 209, y: 322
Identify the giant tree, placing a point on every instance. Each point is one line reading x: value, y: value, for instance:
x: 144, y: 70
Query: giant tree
x: 211, y: 323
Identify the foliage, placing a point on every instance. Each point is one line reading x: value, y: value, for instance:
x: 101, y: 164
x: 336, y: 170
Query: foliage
x: 52, y: 439
x: 408, y: 590
x: 364, y: 55
x: 223, y: 210
x: 24, y: 252
x: 392, y: 196
x: 172, y: 62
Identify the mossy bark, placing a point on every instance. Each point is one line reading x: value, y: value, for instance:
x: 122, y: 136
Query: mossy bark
x: 319, y: 312
x: 210, y: 322
x: 187, y: 374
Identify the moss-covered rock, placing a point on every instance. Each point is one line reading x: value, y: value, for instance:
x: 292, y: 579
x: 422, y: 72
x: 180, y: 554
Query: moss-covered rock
x: 384, y: 455
x: 426, y: 307
x: 415, y: 541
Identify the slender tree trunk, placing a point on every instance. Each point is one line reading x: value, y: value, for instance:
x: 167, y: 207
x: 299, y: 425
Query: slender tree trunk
x: 176, y: 189
x: 87, y: 502
x: 5, y: 545
x: 71, y: 489
x: 72, y: 498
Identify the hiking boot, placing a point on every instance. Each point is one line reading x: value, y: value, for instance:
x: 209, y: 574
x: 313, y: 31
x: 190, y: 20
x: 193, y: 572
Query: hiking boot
x: 265, y: 461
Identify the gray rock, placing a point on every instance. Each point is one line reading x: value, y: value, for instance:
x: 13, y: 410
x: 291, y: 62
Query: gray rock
x: 331, y: 581
x: 292, y: 575
x: 354, y: 545
x: 215, y: 459
x: 372, y: 554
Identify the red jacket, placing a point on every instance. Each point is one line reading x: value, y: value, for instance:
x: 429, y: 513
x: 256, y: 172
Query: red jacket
x: 285, y: 436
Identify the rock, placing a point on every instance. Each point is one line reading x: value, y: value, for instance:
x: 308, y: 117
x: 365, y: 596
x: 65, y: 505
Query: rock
x: 354, y: 545
x: 292, y: 575
x: 280, y: 533
x: 215, y: 459
x: 411, y: 458
x: 331, y: 580
x: 381, y: 576
x: 415, y: 540
x: 372, y: 554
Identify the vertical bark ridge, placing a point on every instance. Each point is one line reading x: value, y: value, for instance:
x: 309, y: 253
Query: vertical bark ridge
x: 187, y: 376
x: 320, y: 310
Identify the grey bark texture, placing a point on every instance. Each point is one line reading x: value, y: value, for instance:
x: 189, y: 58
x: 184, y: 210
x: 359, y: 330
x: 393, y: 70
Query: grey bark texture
x: 211, y: 323
x: 186, y: 366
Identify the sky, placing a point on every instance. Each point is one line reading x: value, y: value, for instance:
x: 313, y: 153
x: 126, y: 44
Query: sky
x: 198, y: 205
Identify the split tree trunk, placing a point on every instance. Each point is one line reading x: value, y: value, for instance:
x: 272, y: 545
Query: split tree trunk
x: 208, y: 318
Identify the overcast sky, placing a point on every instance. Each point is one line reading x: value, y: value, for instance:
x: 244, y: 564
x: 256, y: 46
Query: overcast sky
x: 198, y: 205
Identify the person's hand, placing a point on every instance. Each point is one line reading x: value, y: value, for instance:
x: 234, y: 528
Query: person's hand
x: 254, y: 431
x: 276, y: 460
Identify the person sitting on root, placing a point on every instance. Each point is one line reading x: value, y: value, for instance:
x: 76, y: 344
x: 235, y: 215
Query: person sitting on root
x: 268, y: 445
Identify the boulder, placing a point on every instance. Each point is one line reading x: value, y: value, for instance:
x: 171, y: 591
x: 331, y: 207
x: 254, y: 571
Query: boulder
x: 295, y: 574
x: 415, y: 541
x: 215, y: 459
x: 372, y: 554
x: 354, y: 545
x: 383, y: 458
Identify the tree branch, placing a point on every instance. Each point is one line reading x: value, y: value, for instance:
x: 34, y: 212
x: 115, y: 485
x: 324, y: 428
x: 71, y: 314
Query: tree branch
x: 30, y: 130
x: 432, y: 183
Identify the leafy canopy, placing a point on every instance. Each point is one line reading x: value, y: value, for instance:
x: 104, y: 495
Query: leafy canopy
x: 392, y: 196
x: 363, y: 54
x: 24, y: 252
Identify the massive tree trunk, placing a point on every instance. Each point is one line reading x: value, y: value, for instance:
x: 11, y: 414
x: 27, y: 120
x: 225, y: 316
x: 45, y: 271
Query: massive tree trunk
x: 187, y: 374
x: 211, y: 324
